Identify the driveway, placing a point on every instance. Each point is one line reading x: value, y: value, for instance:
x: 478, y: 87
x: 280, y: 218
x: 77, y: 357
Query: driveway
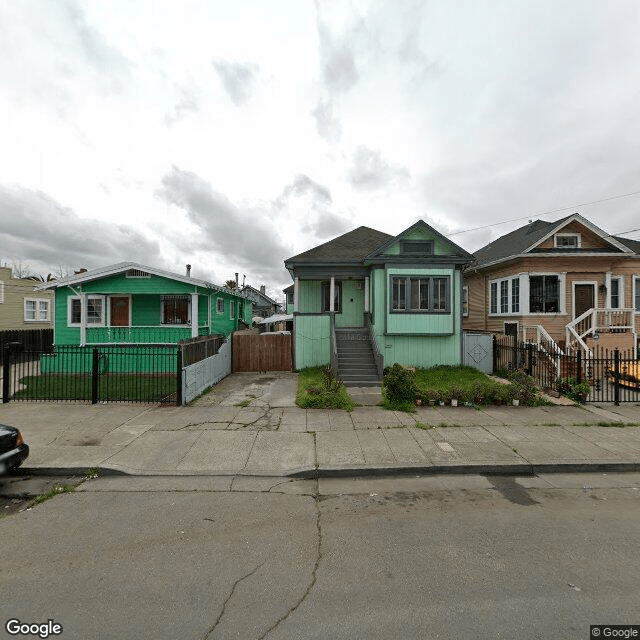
x: 263, y: 390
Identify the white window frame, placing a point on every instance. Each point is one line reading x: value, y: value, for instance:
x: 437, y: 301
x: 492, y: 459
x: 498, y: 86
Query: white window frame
x: 577, y: 236
x: 465, y: 301
x: 498, y: 283
x: 188, y: 299
x: 218, y: 309
x: 636, y: 292
x: 84, y: 311
x: 38, y: 302
x: 232, y: 310
x: 609, y: 284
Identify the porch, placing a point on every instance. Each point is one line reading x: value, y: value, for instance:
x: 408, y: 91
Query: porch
x: 141, y: 335
x: 605, y: 327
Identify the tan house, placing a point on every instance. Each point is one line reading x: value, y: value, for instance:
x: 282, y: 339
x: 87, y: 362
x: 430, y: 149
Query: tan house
x: 566, y: 282
x: 20, y: 306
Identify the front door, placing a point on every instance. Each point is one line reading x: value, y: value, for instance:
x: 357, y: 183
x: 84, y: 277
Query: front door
x: 119, y: 311
x: 584, y: 298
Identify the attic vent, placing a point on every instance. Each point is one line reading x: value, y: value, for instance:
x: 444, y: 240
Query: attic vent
x: 416, y: 247
x: 136, y: 273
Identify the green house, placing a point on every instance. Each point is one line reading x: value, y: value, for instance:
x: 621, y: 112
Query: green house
x: 132, y: 304
x: 366, y: 300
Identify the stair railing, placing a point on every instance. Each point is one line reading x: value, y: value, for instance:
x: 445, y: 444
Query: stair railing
x: 334, y: 347
x: 377, y: 355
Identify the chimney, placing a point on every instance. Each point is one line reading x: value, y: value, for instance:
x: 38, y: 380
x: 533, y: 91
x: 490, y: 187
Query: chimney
x: 188, y: 271
x: 262, y: 288
x: 237, y: 281
x: 244, y: 277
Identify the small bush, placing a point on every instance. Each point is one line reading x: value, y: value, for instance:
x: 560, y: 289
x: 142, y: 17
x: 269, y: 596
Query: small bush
x: 399, y: 384
x: 573, y: 389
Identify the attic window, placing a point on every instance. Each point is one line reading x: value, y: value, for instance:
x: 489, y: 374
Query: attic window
x: 416, y: 247
x: 136, y: 273
x: 567, y: 240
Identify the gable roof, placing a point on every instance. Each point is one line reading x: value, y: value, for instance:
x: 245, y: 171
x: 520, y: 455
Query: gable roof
x: 526, y: 238
x: 257, y: 292
x: 420, y: 224
x: 121, y: 267
x: 353, y: 246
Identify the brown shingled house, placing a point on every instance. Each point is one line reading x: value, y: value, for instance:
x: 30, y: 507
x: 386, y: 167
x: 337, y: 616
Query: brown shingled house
x: 566, y: 281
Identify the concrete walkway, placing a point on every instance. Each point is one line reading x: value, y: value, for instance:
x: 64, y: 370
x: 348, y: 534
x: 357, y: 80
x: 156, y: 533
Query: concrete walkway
x: 271, y: 440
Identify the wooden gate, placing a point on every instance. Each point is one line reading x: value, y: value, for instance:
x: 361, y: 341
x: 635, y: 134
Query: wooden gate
x: 262, y: 352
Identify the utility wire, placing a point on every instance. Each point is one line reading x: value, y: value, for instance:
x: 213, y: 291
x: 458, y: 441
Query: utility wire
x: 546, y: 213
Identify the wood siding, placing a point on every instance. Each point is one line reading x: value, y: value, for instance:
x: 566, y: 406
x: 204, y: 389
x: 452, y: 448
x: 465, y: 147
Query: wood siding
x: 13, y: 292
x: 573, y: 268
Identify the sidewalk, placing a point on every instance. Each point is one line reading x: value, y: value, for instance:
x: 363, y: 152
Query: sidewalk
x: 276, y: 441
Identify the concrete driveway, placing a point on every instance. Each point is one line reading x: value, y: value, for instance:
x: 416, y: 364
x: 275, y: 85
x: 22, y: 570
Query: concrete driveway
x: 265, y: 390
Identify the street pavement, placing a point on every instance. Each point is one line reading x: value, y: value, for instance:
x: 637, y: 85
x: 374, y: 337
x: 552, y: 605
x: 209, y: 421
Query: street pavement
x: 249, y: 426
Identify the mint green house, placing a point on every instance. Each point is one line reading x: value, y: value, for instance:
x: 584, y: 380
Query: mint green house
x: 132, y: 304
x: 367, y: 300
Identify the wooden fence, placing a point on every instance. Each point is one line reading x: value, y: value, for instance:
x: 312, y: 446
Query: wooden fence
x: 262, y: 352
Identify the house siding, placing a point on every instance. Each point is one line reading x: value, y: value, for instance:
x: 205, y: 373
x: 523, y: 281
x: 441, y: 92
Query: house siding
x: 592, y: 269
x: 312, y: 340
x: 14, y: 291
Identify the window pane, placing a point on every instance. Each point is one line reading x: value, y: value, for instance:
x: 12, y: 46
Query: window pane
x: 43, y: 309
x: 76, y: 315
x: 30, y: 309
x: 494, y: 297
x: 637, y: 290
x: 551, y: 294
x: 615, y: 293
x: 420, y: 294
x: 439, y: 294
x: 465, y: 301
x: 232, y: 312
x: 398, y: 291
x: 94, y: 311
x: 175, y: 310
x: 536, y: 300
x: 504, y: 296
x: 515, y: 295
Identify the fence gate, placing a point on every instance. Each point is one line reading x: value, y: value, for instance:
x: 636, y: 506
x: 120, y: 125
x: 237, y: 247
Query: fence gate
x: 270, y: 352
x: 477, y: 351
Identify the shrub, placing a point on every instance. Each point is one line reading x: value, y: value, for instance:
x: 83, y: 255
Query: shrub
x: 399, y: 384
x: 573, y: 389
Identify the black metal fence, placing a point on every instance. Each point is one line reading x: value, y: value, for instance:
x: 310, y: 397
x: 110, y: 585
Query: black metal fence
x: 600, y: 376
x: 31, y: 339
x: 149, y: 374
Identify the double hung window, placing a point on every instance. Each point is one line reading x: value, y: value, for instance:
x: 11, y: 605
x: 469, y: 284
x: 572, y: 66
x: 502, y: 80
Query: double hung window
x: 428, y: 294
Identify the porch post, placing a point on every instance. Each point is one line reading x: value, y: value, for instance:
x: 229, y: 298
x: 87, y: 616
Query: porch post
x: 366, y: 294
x: 83, y: 319
x: 296, y: 293
x: 194, y: 315
x: 332, y: 293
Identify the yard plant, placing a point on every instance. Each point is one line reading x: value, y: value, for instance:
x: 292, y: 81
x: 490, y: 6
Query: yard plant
x: 319, y: 389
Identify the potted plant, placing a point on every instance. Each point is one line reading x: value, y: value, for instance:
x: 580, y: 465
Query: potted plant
x: 456, y: 395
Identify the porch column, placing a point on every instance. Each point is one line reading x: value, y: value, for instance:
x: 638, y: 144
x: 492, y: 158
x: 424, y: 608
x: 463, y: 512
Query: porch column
x: 83, y: 319
x: 332, y: 293
x: 194, y: 315
x: 366, y: 294
x: 296, y: 293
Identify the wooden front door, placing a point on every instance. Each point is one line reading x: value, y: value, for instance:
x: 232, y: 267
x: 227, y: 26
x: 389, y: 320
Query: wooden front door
x: 119, y: 311
x: 584, y: 295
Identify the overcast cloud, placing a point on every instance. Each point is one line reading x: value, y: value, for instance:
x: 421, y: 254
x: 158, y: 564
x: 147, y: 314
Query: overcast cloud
x: 232, y: 137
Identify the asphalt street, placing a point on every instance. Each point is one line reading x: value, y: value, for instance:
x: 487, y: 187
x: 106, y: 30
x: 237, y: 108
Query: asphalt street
x: 279, y: 558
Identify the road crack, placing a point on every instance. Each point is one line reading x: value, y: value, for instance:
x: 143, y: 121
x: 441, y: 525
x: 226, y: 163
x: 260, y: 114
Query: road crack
x: 224, y: 604
x: 314, y: 571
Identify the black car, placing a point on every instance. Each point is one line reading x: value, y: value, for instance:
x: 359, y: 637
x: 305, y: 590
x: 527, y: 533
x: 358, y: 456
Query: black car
x: 13, y: 450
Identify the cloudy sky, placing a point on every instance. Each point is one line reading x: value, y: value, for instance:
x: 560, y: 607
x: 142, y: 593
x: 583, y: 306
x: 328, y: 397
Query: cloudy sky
x: 232, y: 135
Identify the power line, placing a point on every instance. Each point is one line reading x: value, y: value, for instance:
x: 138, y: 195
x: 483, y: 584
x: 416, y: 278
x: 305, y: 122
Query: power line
x: 546, y: 213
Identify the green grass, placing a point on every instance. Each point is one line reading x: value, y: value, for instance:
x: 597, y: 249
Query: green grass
x: 321, y: 396
x: 444, y: 377
x: 244, y: 403
x: 57, y: 490
x: 115, y: 386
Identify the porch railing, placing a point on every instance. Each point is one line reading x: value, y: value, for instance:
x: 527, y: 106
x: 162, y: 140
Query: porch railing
x: 599, y: 320
x: 546, y: 344
x: 377, y: 356
x: 140, y: 335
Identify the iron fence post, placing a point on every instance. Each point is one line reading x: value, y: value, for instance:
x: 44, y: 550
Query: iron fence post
x: 95, y: 375
x: 179, y: 378
x: 529, y: 359
x: 6, y: 372
x: 579, y: 366
x: 616, y: 377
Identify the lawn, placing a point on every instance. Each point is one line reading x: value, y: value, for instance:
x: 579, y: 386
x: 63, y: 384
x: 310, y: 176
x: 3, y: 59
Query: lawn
x: 443, y: 378
x: 318, y: 389
x: 116, y: 386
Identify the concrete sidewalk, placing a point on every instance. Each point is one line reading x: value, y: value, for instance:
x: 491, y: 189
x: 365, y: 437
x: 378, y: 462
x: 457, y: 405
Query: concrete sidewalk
x: 276, y: 441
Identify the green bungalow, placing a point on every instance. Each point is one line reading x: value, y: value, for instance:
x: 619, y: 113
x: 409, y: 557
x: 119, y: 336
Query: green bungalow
x: 366, y: 300
x: 132, y: 304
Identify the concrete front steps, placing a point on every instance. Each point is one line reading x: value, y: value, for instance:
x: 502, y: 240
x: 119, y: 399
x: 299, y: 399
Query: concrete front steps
x: 356, y: 364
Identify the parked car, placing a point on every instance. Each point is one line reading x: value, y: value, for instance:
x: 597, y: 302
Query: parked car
x: 13, y: 450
